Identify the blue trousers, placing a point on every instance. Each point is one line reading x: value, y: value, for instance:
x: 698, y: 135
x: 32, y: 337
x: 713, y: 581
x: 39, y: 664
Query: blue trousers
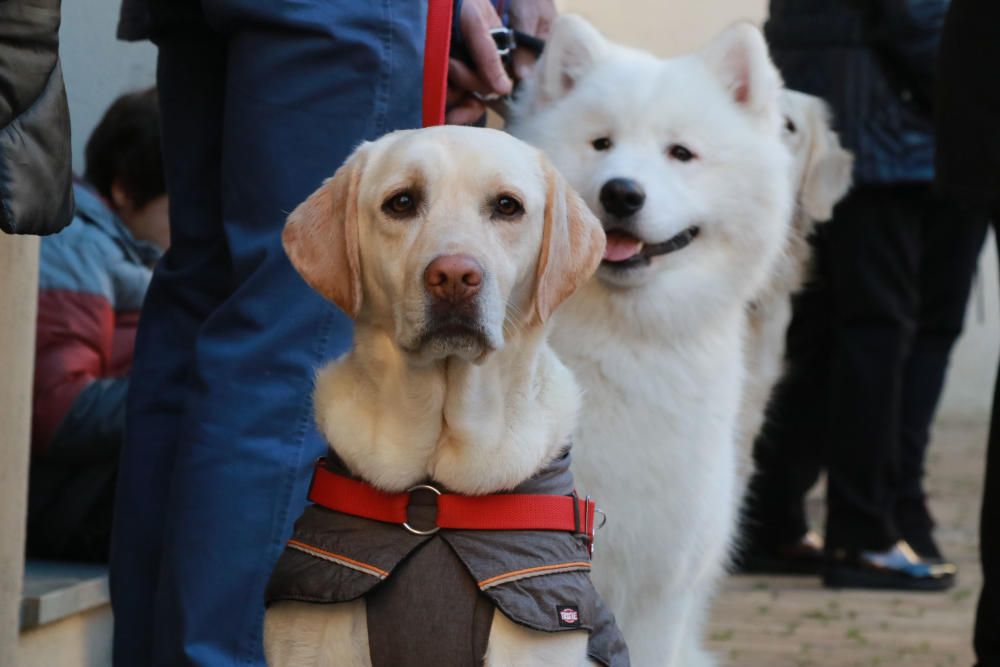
x: 260, y: 102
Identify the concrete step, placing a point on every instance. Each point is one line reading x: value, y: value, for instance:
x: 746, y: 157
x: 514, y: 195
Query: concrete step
x: 65, y: 615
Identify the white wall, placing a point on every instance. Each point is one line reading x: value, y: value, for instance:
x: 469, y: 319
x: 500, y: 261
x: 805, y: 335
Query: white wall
x: 969, y: 389
x: 97, y: 67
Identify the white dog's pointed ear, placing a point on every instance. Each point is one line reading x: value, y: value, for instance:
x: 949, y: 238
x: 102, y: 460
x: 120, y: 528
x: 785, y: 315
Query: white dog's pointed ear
x: 739, y: 58
x: 321, y: 237
x: 572, y: 245
x: 572, y: 48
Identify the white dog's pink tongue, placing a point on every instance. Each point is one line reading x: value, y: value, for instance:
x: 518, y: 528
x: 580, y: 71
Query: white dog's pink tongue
x: 621, y: 246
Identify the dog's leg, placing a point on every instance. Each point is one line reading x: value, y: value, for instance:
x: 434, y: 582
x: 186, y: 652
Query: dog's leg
x: 670, y: 633
x: 692, y: 651
x: 513, y: 645
x: 303, y: 634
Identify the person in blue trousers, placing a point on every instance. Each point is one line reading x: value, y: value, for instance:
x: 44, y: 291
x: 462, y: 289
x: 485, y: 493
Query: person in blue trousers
x: 260, y: 101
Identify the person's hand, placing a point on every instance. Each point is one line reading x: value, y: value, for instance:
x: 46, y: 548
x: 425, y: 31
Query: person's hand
x: 532, y: 17
x: 478, y: 17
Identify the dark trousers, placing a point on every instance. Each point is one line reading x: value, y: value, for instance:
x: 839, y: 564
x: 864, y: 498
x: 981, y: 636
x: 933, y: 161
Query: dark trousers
x: 867, y: 352
x: 988, y: 617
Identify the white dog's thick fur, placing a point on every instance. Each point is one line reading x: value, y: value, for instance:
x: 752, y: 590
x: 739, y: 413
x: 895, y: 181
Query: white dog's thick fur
x: 657, y: 346
x: 821, y: 176
x: 477, y: 411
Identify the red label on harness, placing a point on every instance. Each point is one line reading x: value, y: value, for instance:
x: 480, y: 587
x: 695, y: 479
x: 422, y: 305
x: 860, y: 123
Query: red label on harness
x: 568, y: 616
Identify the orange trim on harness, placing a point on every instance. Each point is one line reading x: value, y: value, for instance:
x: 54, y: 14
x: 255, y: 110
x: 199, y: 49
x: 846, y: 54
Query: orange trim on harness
x: 501, y: 511
x: 366, y: 567
x: 437, y: 45
x: 539, y: 570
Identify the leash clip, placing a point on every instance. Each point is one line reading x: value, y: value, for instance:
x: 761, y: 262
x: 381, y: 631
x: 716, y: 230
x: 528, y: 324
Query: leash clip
x: 504, y: 39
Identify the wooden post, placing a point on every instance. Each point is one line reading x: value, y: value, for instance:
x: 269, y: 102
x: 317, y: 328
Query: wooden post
x: 18, y: 306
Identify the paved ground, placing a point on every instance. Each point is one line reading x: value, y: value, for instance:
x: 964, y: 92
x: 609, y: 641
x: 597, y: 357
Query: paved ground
x: 794, y: 622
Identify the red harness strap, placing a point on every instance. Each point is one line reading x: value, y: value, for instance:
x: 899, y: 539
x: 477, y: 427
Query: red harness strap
x: 502, y: 511
x: 437, y: 44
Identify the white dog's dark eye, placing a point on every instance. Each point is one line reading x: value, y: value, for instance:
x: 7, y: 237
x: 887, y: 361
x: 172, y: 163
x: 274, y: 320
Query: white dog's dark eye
x: 790, y: 126
x: 403, y: 204
x: 601, y: 144
x: 681, y: 153
x: 507, y: 206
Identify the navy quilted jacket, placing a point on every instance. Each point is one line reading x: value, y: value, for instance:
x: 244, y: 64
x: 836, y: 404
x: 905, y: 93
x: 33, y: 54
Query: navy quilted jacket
x: 873, y: 61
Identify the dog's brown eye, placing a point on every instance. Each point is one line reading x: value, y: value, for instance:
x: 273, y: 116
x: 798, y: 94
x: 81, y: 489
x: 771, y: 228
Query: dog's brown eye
x: 401, y: 205
x: 601, y: 144
x: 790, y: 126
x: 507, y: 206
x: 680, y: 153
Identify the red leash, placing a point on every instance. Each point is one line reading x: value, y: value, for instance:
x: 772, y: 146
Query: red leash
x: 437, y: 45
x: 501, y: 511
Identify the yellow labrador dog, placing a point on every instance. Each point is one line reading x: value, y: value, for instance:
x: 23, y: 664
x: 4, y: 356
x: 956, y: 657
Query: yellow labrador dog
x: 449, y: 247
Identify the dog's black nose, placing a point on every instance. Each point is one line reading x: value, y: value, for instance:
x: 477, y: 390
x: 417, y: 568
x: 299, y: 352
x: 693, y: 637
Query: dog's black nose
x: 622, y: 197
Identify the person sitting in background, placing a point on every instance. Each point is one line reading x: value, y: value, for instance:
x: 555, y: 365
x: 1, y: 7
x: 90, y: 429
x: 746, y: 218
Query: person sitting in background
x: 92, y: 280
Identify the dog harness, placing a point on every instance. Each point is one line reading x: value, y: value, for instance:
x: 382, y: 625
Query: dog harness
x: 433, y: 566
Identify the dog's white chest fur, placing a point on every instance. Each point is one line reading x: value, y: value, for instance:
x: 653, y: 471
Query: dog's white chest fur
x: 656, y: 450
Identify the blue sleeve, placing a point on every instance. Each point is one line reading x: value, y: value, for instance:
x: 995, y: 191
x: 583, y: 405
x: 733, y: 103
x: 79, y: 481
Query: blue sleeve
x: 456, y: 29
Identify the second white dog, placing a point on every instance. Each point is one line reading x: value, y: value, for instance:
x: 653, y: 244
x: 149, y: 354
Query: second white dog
x: 683, y: 161
x: 821, y: 176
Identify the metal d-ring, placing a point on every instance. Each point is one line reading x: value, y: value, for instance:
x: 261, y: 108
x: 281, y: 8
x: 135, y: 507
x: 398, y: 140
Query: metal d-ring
x: 417, y: 531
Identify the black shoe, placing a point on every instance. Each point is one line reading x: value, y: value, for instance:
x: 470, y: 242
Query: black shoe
x: 898, y: 568
x: 802, y: 558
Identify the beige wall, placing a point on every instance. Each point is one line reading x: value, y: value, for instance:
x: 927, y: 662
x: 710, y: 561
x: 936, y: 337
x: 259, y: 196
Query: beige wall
x: 666, y: 27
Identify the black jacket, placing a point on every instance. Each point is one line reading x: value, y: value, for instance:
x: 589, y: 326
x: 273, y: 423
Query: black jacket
x: 36, y: 196
x: 873, y: 61
x: 968, y: 102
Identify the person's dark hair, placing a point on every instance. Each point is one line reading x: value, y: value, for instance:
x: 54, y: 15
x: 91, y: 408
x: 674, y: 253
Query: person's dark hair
x: 125, y: 147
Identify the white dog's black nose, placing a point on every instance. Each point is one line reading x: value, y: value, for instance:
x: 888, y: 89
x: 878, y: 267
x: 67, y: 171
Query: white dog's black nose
x: 622, y: 197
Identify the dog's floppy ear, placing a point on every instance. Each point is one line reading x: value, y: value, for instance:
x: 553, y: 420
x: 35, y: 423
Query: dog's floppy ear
x: 321, y: 237
x: 572, y: 245
x: 828, y: 166
x: 739, y: 58
x: 572, y: 47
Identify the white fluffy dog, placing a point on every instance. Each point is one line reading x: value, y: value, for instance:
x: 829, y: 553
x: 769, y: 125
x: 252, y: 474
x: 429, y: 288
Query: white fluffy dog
x: 683, y: 161
x: 821, y: 176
